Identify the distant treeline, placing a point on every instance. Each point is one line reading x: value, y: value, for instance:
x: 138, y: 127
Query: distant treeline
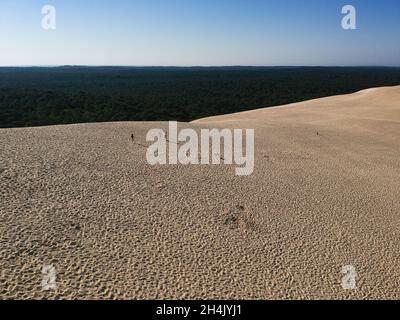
x: 49, y: 96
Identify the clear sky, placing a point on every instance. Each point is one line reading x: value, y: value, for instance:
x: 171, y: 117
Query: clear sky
x: 200, y: 32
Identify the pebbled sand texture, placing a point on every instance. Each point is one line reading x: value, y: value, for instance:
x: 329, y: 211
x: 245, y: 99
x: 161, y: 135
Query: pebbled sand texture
x: 325, y: 193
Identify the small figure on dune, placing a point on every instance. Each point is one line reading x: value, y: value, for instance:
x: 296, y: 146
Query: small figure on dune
x: 132, y: 137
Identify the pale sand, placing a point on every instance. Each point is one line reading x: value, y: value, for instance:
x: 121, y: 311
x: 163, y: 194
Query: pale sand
x: 83, y: 198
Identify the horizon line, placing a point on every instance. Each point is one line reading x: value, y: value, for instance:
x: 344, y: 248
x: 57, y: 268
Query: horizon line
x: 197, y: 66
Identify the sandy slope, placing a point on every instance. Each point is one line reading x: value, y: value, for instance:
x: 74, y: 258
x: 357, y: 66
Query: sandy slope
x: 325, y: 193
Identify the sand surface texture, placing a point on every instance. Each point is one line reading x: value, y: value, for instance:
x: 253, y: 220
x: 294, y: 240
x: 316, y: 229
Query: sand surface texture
x: 325, y: 193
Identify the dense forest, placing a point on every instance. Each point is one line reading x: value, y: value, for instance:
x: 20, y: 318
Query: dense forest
x: 61, y: 95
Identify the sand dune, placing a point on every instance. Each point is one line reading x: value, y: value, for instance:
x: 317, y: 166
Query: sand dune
x: 325, y: 193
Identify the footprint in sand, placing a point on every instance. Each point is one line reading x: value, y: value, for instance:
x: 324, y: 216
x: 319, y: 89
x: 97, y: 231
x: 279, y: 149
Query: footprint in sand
x: 239, y: 218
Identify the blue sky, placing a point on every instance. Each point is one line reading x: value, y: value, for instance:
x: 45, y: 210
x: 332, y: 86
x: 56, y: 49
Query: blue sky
x: 200, y: 32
